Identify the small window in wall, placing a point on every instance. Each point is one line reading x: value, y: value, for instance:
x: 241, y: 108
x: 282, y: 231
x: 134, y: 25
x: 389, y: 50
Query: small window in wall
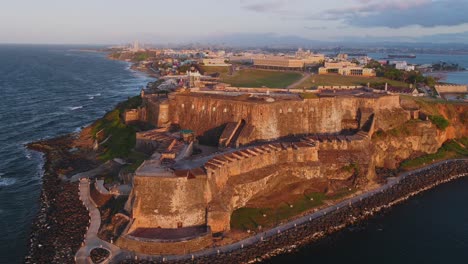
x: 281, y: 111
x: 289, y: 110
x: 203, y: 108
x: 183, y: 105
x: 225, y: 110
x: 214, y: 109
x: 179, y: 224
x: 193, y: 106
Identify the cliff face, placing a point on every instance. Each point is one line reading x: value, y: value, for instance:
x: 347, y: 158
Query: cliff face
x: 404, y: 139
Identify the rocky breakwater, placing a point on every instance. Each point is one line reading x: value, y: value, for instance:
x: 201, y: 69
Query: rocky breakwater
x: 312, y: 227
x: 59, y: 227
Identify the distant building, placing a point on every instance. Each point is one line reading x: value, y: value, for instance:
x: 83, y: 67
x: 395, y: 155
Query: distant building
x: 402, y: 65
x: 280, y: 62
x: 346, y: 68
x: 342, y: 56
x: 136, y: 46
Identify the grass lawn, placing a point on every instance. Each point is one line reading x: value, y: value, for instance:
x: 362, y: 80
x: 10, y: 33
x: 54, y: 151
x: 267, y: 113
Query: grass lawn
x: 336, y: 80
x: 259, y: 78
x: 251, y: 218
x: 223, y: 70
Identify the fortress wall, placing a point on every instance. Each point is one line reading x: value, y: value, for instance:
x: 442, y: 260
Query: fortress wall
x: 207, y: 115
x: 165, y: 202
x: 219, y: 176
x: 451, y: 88
x: 157, y: 111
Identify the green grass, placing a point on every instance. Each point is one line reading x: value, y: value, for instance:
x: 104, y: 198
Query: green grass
x: 260, y: 78
x: 223, y: 70
x: 450, y: 149
x: 440, y: 122
x: 121, y: 137
x: 251, y: 218
x: 338, y: 80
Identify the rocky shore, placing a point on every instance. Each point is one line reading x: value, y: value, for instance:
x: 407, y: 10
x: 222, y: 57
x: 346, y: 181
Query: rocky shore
x: 291, y: 239
x: 61, y: 222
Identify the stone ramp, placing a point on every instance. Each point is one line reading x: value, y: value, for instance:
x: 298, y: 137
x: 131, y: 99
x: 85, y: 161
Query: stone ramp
x: 231, y: 133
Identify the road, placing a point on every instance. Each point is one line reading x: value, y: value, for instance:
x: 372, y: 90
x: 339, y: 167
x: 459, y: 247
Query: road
x: 296, y: 84
x: 92, y: 240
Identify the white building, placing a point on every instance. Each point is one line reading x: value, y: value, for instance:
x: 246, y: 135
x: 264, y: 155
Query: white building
x: 403, y: 65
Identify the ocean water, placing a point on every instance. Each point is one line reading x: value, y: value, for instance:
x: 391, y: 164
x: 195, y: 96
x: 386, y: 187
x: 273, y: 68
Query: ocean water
x: 431, y: 228
x: 452, y: 77
x: 46, y: 91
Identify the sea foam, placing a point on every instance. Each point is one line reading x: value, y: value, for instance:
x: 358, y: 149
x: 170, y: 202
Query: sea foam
x: 7, y: 181
x: 75, y: 107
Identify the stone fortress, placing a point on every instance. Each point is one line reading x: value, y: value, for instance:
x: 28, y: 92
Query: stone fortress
x: 264, y: 141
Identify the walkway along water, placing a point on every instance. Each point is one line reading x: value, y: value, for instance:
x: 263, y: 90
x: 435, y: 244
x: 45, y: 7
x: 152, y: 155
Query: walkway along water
x: 92, y: 240
x: 297, y: 232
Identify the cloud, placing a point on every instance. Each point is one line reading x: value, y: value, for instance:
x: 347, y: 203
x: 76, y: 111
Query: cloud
x: 315, y: 27
x: 400, y: 13
x: 281, y: 7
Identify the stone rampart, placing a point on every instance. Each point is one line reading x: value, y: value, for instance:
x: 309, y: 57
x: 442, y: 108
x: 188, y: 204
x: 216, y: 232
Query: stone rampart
x: 451, y: 88
x: 168, y: 202
x: 207, y: 115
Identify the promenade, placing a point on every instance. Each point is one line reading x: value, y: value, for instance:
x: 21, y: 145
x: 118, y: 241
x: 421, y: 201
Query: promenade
x: 91, y: 239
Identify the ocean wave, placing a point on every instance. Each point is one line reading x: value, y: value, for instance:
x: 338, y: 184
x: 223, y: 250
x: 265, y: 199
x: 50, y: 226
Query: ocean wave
x: 75, y: 107
x: 92, y: 96
x: 7, y: 182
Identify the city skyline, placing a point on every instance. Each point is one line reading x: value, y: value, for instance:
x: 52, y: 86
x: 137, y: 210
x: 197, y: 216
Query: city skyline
x: 115, y: 22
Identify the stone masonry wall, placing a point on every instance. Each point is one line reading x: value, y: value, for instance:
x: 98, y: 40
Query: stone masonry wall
x: 164, y: 202
x: 209, y: 113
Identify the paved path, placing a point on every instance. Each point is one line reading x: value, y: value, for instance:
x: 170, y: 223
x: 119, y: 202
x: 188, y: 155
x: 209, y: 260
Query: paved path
x: 91, y: 239
x: 297, y: 83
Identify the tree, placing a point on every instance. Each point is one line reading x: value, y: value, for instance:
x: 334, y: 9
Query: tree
x: 394, y: 74
x: 430, y: 81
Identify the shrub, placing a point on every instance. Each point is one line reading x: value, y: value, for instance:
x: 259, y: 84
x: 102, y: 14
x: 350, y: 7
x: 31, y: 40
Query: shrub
x: 308, y: 95
x: 440, y: 122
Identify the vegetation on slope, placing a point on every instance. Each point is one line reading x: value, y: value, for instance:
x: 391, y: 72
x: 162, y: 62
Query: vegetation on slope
x: 248, y: 218
x: 440, y: 122
x: 116, y: 138
x: 450, y: 149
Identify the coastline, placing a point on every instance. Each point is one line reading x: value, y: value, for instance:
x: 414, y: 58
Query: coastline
x: 61, y: 221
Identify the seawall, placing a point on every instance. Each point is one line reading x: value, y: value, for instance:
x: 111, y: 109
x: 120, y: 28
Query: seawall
x: 314, y: 226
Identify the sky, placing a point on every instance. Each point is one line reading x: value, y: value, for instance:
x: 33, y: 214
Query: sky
x: 183, y: 21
